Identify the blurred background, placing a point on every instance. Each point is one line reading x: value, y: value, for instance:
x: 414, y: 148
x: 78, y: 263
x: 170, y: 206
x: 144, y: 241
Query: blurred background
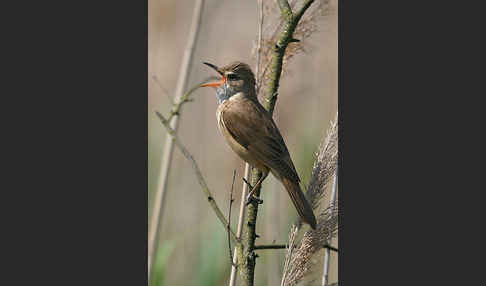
x: 193, y: 245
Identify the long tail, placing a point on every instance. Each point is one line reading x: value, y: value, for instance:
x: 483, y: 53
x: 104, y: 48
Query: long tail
x: 300, y: 202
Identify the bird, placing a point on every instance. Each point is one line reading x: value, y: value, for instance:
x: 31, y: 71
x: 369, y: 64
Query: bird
x: 251, y: 133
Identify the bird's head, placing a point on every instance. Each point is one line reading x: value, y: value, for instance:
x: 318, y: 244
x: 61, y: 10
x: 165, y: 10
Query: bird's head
x: 235, y: 77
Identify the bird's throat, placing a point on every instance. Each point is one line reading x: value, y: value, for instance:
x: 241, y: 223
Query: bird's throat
x: 222, y: 94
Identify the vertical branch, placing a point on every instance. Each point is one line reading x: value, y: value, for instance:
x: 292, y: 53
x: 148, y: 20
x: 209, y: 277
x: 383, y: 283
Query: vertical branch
x: 251, y: 235
x: 229, y: 218
x: 327, y: 253
x: 239, y: 251
x: 290, y: 24
x: 169, y: 143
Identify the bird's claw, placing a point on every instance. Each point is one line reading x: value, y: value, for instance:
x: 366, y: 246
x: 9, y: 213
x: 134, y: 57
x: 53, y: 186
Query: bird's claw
x: 251, y: 199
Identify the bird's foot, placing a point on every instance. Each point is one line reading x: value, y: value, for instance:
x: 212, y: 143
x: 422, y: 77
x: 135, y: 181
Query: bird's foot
x: 250, y: 199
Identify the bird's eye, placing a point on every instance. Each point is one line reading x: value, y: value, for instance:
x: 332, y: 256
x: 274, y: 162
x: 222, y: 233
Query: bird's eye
x: 232, y: 76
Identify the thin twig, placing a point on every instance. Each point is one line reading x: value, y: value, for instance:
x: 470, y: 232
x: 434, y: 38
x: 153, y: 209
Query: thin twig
x: 168, y: 149
x: 229, y: 217
x: 174, y: 114
x: 285, y: 10
x: 327, y: 246
x: 185, y: 98
x: 199, y: 176
x: 239, y: 231
x: 327, y: 254
x: 271, y: 246
x: 166, y: 92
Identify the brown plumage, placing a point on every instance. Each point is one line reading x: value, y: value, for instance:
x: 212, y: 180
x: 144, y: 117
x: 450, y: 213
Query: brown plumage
x: 251, y: 132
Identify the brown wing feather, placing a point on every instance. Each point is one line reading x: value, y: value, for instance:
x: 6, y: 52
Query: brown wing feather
x: 253, y: 127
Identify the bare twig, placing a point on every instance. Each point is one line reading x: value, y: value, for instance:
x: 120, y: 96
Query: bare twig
x: 285, y: 10
x: 239, y: 231
x: 271, y: 246
x: 164, y: 90
x: 185, y: 98
x: 199, y: 176
x: 327, y: 253
x: 229, y: 218
x: 168, y: 149
x: 327, y: 246
x: 174, y: 113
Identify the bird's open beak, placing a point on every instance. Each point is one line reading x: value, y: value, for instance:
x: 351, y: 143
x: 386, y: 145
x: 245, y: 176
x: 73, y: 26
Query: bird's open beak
x: 218, y: 83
